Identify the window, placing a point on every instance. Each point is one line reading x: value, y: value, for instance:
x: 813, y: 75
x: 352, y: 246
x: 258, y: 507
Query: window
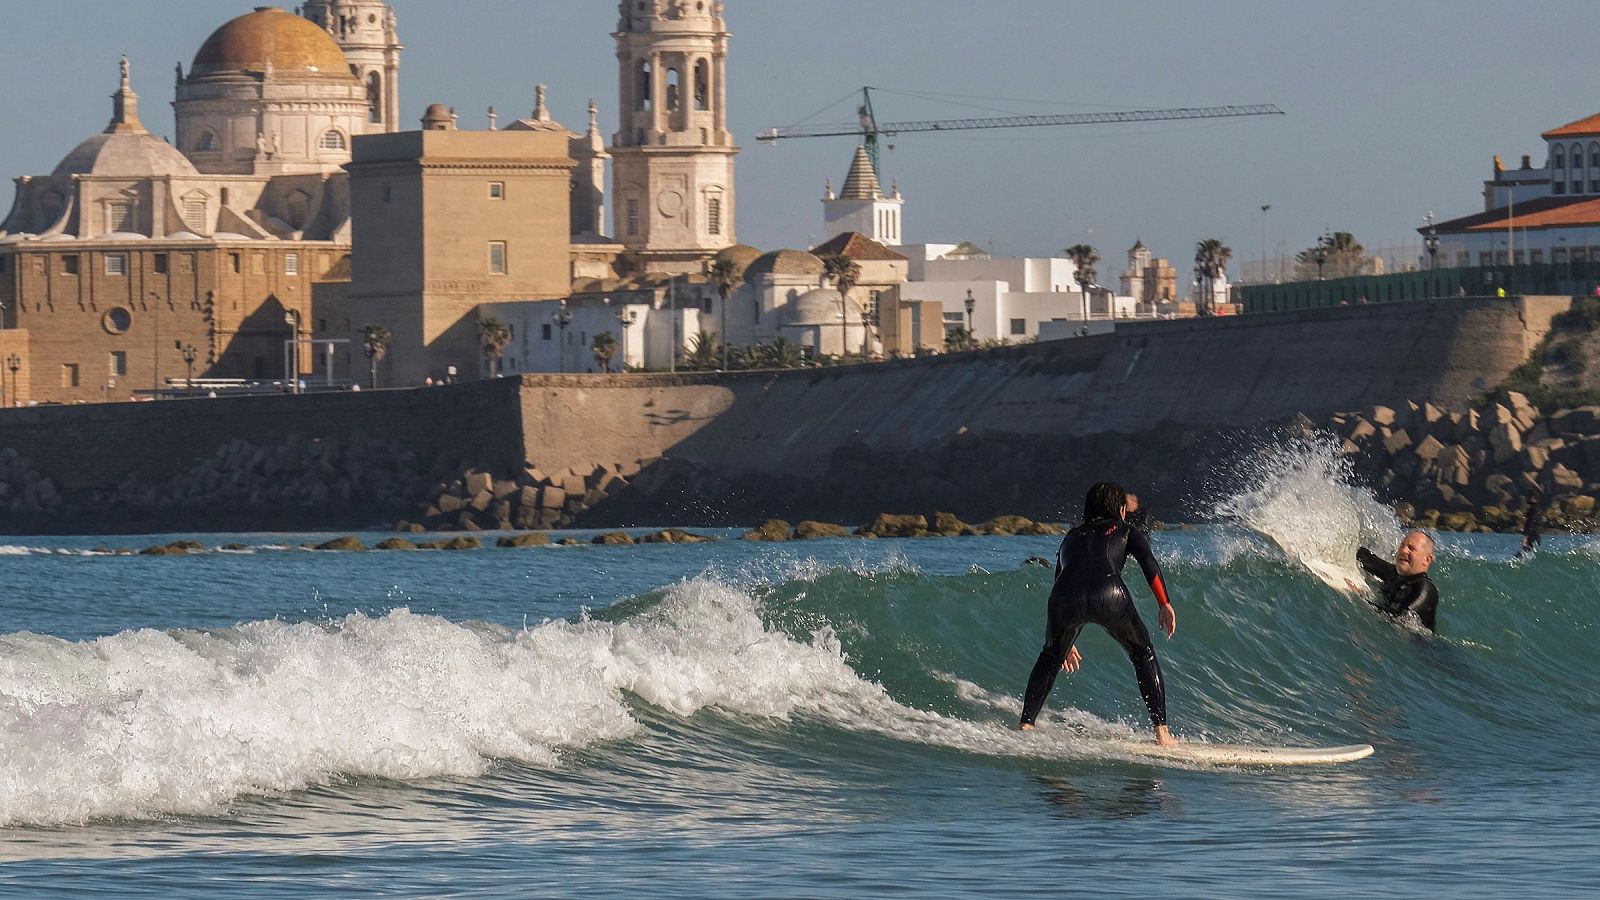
x: 672, y: 90
x: 1559, y: 159
x: 234, y: 263
x: 497, y: 190
x: 1536, y: 256
x: 69, y: 375
x: 159, y: 262
x: 633, y: 215
x: 497, y: 257
x: 119, y: 362
x: 700, y: 85
x: 331, y: 140
x: 206, y: 143
x: 374, y: 97
x: 1560, y: 187
x: 714, y: 215
x: 69, y: 264
x: 1019, y: 326
x: 291, y: 264
x: 119, y: 216
x: 2, y: 264
x: 116, y: 263
x: 544, y: 331
x: 388, y: 193
x: 117, y: 320
x: 194, y: 214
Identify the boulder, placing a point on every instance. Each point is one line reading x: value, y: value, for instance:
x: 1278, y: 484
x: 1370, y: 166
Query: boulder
x: 570, y: 542
x: 503, y: 489
x: 233, y: 547
x: 1590, y: 447
x: 394, y: 544
x: 675, y: 536
x: 770, y: 530
x: 1456, y: 521
x: 481, y: 500
x: 449, y: 503
x: 1534, y: 457
x: 1004, y: 525
x: 528, y: 497
x: 890, y: 525
x: 947, y: 525
x: 810, y: 529
x: 348, y: 542
x: 612, y: 538
x: 1523, y: 413
x: 552, y: 498
x: 1360, y: 431
x: 1380, y: 415
x: 1396, y: 441
x: 1578, y: 506
x: 1041, y: 528
x: 1499, y: 518
x: 1429, y: 448
x: 531, y: 539
x: 477, y: 483
x: 1564, y: 479
x: 1505, y: 442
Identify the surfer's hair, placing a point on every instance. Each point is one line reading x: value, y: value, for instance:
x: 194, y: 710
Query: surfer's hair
x: 1425, y: 536
x: 1104, y: 501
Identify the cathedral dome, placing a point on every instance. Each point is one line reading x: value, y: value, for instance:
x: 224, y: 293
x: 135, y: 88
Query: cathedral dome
x: 741, y: 255
x: 785, y: 262
x: 820, y: 307
x: 133, y: 154
x: 271, y: 38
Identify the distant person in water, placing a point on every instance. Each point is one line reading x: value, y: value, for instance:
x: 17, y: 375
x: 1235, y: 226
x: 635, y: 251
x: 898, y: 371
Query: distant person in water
x: 1089, y: 588
x: 1531, y: 521
x: 1404, y: 583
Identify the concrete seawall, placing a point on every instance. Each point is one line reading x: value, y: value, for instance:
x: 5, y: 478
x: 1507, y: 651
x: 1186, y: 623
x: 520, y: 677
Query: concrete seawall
x: 1008, y: 430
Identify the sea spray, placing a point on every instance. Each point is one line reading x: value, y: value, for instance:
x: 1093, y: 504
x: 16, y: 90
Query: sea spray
x: 1301, y: 495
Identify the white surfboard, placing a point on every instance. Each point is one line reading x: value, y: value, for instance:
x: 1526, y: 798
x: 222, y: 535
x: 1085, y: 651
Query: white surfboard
x: 1240, y: 755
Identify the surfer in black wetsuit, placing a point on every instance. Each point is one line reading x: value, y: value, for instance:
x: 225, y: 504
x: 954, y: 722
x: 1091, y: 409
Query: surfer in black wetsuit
x: 1089, y: 588
x: 1531, y: 521
x: 1405, y: 586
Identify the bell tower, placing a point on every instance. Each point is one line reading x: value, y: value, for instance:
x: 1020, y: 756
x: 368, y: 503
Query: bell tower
x: 366, y: 32
x: 672, y: 154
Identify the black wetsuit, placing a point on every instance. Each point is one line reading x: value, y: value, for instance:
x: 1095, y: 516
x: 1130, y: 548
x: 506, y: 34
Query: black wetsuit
x: 1089, y: 588
x: 1530, y: 527
x: 1402, y: 593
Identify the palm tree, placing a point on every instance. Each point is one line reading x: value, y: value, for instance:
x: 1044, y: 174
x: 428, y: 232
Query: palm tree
x: 375, y: 340
x: 604, y: 349
x: 1083, y: 259
x: 1210, y: 260
x: 726, y: 278
x: 494, y: 338
x: 1337, y: 254
x: 846, y: 274
x: 702, y: 353
x: 956, y: 338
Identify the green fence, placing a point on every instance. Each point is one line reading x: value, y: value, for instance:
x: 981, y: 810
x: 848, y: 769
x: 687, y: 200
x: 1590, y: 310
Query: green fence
x: 1569, y: 279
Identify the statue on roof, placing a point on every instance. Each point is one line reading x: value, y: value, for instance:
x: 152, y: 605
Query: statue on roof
x: 1498, y: 165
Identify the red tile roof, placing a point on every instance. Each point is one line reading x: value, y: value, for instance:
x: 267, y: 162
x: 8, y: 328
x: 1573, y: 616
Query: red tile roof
x: 857, y: 246
x: 1580, y: 128
x: 1545, y: 212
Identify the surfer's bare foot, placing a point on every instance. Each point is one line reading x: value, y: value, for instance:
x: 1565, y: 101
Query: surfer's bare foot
x: 1027, y: 726
x: 1164, y: 737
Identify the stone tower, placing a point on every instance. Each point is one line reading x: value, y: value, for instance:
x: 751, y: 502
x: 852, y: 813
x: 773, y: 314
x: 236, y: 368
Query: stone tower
x: 672, y: 169
x: 365, y: 30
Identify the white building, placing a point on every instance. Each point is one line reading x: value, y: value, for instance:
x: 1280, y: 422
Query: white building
x: 1534, y: 215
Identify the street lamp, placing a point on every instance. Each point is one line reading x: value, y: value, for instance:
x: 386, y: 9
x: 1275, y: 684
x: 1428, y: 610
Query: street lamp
x: 1321, y: 255
x: 563, y: 318
x: 971, y: 303
x: 189, y: 355
x: 626, y: 318
x: 1430, y: 242
x: 14, y: 362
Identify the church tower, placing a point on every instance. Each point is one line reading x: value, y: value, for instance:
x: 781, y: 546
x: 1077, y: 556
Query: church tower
x: 365, y: 30
x: 861, y: 205
x: 672, y: 169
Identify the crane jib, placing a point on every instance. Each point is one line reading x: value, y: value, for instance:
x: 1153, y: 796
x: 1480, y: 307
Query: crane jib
x: 1137, y: 115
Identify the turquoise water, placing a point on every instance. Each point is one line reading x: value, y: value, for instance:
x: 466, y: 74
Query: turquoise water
x: 829, y: 718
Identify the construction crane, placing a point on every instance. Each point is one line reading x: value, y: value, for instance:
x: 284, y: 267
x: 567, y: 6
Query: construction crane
x: 869, y: 128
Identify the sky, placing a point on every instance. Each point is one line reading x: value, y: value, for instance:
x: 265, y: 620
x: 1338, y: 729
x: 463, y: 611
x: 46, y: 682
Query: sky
x: 1393, y: 108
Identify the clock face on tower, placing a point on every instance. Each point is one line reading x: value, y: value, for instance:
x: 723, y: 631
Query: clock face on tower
x: 669, y: 202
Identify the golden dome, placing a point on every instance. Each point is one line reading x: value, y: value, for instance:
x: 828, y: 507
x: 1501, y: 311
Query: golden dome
x: 271, y: 38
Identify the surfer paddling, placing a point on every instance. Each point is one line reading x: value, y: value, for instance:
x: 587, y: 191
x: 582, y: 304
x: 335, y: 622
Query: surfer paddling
x: 1404, y: 583
x: 1089, y: 588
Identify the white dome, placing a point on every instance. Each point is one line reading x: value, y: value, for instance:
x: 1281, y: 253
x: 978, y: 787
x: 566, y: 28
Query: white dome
x: 820, y: 307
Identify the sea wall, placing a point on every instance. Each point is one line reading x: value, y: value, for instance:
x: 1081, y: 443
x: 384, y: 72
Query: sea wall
x: 1012, y: 430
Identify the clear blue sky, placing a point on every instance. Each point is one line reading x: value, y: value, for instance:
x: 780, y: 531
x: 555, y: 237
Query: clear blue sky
x: 1394, y: 108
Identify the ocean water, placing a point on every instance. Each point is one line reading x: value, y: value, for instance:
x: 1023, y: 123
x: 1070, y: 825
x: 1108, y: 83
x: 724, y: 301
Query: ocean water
x: 820, y: 719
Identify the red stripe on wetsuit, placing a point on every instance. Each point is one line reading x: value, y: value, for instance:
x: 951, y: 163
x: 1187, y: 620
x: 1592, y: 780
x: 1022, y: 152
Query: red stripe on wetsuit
x: 1160, y: 591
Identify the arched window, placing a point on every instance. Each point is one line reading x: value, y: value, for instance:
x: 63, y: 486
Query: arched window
x: 297, y: 208
x: 1558, y: 157
x: 702, y: 85
x: 644, y: 84
x: 206, y: 143
x: 331, y: 140
x: 673, y: 90
x: 374, y: 97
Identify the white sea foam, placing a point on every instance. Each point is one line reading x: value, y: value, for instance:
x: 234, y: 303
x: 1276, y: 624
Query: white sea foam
x: 1303, y: 499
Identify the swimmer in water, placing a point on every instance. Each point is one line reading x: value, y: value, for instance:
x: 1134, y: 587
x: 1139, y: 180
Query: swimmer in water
x: 1404, y: 583
x: 1089, y: 588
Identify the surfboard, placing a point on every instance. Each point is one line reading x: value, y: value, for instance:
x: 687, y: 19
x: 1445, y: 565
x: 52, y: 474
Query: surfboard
x: 1241, y: 755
